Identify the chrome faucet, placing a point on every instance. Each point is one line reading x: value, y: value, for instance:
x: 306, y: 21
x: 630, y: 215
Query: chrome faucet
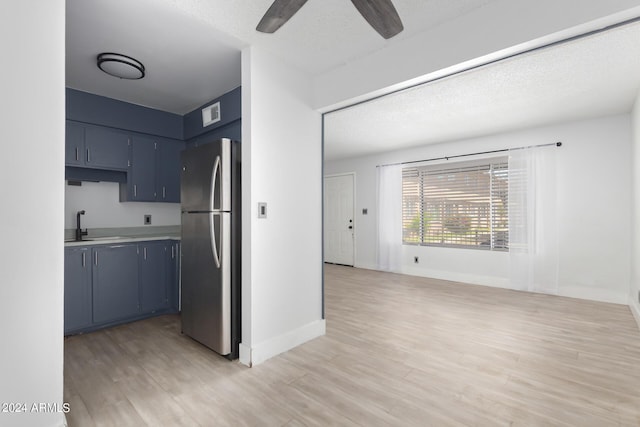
x: 79, y: 231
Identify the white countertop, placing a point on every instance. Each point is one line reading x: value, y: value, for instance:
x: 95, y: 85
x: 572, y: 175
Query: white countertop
x: 110, y: 240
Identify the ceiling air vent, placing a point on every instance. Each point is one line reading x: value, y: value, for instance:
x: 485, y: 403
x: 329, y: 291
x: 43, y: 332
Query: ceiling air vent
x: 211, y: 114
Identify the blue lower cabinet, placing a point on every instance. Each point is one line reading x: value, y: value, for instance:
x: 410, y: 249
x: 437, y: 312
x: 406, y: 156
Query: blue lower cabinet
x: 154, y: 266
x: 115, y: 282
x: 77, y: 289
x: 105, y: 285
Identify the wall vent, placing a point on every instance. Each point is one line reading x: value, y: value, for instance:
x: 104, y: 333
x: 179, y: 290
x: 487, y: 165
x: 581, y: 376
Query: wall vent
x: 211, y: 114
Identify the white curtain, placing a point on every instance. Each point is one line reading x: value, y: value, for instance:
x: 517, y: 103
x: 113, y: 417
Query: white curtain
x: 389, y: 217
x: 533, y: 224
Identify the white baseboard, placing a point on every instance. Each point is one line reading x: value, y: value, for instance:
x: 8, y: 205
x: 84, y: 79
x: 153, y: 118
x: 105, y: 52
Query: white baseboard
x: 367, y: 266
x: 471, y: 279
x: 245, y: 354
x: 635, y: 310
x: 265, y: 350
x: 600, y: 295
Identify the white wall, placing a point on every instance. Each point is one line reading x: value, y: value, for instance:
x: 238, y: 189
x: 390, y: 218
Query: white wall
x: 31, y: 255
x: 594, y: 175
x: 101, y: 201
x: 497, y: 29
x: 635, y: 213
x: 282, y: 166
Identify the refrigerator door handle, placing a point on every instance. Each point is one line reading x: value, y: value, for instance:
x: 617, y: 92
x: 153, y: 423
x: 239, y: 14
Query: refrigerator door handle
x: 214, y: 241
x: 214, y: 179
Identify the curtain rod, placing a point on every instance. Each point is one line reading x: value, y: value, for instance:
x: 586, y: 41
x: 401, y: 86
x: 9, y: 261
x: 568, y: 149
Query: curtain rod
x: 553, y: 144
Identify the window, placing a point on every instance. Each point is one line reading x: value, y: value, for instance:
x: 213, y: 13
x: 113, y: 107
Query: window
x: 462, y: 205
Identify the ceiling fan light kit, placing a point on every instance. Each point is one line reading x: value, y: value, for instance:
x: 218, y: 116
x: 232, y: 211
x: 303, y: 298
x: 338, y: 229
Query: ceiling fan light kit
x: 380, y: 14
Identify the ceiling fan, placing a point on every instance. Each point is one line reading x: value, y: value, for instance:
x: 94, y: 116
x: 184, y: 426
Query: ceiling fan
x: 380, y: 14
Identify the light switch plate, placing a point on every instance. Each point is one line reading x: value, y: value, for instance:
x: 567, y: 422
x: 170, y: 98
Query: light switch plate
x: 262, y: 210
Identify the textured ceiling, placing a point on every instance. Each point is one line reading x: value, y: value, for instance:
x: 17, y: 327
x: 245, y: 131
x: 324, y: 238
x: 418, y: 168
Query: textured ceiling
x: 323, y: 34
x: 590, y: 77
x: 191, y: 48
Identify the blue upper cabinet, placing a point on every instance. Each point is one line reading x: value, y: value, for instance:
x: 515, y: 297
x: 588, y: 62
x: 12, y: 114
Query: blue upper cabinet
x: 141, y: 182
x: 139, y: 147
x: 168, y: 170
x: 99, y: 130
x: 95, y: 147
x: 108, y: 112
x: 74, y: 146
x: 106, y: 148
x: 154, y: 174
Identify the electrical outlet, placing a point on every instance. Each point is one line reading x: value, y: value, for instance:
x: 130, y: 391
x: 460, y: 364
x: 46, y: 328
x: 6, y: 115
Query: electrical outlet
x: 416, y: 260
x: 147, y: 220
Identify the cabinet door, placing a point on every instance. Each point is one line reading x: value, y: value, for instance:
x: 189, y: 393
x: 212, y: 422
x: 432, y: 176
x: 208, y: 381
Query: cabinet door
x: 142, y: 179
x: 115, y: 282
x: 106, y: 148
x: 74, y: 144
x: 77, y: 288
x: 169, y: 171
x: 153, y: 276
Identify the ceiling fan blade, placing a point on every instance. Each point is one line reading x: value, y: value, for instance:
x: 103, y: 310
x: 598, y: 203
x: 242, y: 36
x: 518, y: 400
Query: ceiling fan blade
x: 279, y: 13
x: 381, y: 15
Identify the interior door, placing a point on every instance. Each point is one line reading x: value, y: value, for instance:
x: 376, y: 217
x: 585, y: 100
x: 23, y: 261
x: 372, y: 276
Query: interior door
x: 339, y: 221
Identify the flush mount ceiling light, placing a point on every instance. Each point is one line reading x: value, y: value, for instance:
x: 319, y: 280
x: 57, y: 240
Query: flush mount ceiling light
x: 121, y: 66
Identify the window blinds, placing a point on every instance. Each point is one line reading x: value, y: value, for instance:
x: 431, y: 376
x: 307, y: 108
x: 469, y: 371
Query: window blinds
x: 456, y: 206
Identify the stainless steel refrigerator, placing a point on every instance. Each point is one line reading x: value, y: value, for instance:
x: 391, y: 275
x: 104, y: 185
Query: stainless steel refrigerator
x: 210, y: 260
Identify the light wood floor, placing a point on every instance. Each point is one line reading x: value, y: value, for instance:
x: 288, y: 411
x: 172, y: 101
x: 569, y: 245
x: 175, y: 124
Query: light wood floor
x: 399, y: 351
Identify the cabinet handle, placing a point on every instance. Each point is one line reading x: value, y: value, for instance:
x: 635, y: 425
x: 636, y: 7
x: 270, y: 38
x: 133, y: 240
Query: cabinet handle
x: 88, y: 156
x: 144, y: 251
x: 96, y: 257
x: 135, y: 190
x: 164, y: 192
x: 172, y: 256
x: 83, y: 259
x: 77, y: 154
